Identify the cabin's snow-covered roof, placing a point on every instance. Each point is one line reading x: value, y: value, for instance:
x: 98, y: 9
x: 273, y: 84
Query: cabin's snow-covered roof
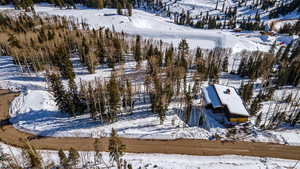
x: 211, y: 97
x: 219, y: 95
x: 231, y: 99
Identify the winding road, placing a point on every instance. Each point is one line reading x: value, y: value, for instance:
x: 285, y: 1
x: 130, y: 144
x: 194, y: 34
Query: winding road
x: 10, y: 135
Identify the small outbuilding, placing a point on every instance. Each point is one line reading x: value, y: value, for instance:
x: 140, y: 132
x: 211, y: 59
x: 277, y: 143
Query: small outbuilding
x: 225, y: 99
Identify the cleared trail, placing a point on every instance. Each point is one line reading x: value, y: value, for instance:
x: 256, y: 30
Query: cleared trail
x: 10, y: 135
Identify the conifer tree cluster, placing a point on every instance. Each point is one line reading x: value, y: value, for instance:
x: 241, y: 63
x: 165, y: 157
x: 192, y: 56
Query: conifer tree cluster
x: 70, y: 161
x: 250, y: 24
x: 51, y: 44
x: 124, y: 7
x: 38, y: 43
x: 105, y: 100
x: 256, y: 64
x: 289, y: 28
x: 289, y: 65
x: 285, y: 8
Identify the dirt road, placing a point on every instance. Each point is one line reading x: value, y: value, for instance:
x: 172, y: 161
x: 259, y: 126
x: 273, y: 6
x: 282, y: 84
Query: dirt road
x: 11, y: 136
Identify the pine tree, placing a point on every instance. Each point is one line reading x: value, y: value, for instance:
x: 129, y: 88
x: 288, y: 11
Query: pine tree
x: 129, y: 9
x: 246, y: 92
x: 63, y: 160
x: 13, y: 41
x: 97, y: 146
x: 258, y: 120
x: 160, y: 97
x: 73, y: 158
x: 116, y: 148
x: 100, y: 4
x: 255, y: 106
x: 225, y: 64
x: 62, y: 59
x: 27, y: 5
x: 200, y: 63
x: 242, y: 66
x: 60, y: 94
x: 183, y: 52
x: 118, y: 55
x: 137, y: 50
x: 188, y: 106
x: 33, y: 158
x: 169, y: 56
x: 98, y: 156
x: 129, y: 99
x: 71, y: 95
x: 119, y: 9
x: 114, y: 97
x: 91, y: 62
x: 79, y: 105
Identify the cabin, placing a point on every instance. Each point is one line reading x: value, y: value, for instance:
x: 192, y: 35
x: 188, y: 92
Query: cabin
x: 225, y: 100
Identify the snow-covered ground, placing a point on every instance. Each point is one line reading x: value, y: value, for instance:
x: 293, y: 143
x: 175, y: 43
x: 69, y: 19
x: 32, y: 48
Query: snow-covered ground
x: 35, y: 111
x: 172, y: 161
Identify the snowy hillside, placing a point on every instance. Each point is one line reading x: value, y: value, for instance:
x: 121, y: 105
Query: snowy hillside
x: 156, y: 27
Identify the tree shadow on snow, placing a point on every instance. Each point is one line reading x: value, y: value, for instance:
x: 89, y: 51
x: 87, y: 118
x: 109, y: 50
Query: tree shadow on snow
x: 48, y: 123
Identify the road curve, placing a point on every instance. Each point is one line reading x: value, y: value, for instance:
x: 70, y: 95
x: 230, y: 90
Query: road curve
x: 10, y: 135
